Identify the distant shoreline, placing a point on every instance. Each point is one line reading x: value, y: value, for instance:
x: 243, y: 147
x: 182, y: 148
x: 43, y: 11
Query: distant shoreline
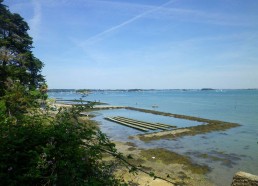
x: 142, y: 90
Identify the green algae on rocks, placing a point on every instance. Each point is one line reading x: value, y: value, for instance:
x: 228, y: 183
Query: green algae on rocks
x: 169, y: 157
x: 206, y: 126
x: 189, y: 131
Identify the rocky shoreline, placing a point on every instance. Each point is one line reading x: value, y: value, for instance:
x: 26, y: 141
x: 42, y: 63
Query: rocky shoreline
x: 180, y: 168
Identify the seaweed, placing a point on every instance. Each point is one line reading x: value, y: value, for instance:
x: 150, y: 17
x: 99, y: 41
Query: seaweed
x: 169, y: 157
x: 207, y: 126
x: 227, y: 160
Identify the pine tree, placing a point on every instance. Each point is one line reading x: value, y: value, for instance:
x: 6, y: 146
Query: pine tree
x: 17, y: 62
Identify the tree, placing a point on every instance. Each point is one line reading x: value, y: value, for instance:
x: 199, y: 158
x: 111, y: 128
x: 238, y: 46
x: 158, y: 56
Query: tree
x: 17, y: 62
x: 37, y: 148
x: 41, y: 150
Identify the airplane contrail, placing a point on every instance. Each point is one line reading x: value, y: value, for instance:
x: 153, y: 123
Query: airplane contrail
x: 99, y: 35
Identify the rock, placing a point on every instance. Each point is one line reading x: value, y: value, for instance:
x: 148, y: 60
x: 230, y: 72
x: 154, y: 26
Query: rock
x: 244, y: 179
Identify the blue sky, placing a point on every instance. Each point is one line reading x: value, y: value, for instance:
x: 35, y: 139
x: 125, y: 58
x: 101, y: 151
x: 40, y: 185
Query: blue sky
x: 113, y: 44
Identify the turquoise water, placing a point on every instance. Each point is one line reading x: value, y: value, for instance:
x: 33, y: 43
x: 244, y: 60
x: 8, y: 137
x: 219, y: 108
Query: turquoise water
x: 234, y: 149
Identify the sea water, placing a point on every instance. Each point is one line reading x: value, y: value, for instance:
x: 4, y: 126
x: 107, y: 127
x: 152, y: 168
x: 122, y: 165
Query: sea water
x: 229, y: 151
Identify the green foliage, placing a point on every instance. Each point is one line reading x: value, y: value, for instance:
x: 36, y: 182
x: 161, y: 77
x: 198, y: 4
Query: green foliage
x: 83, y: 91
x: 35, y: 148
x: 38, y: 149
x: 17, y: 61
x: 17, y: 100
x: 2, y: 107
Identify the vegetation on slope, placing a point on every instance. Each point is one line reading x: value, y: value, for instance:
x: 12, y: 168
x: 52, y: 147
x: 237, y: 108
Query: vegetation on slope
x: 38, y: 147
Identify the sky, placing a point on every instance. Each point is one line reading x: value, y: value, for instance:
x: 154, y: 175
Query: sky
x: 148, y: 44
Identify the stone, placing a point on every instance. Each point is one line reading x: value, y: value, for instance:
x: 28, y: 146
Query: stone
x: 244, y: 179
